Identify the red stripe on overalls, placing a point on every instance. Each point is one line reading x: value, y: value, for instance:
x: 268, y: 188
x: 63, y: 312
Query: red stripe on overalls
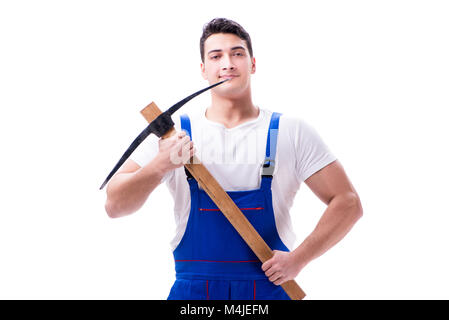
x: 258, y: 208
x: 254, y: 289
x: 243, y: 261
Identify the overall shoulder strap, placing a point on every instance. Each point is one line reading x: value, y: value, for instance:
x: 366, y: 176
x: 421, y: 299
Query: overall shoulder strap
x: 270, y: 152
x: 185, y: 125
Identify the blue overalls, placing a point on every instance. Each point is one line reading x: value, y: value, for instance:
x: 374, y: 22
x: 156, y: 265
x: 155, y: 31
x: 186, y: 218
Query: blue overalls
x: 212, y: 261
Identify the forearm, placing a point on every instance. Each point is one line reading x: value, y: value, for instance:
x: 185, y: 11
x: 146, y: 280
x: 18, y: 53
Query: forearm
x: 341, y: 214
x: 127, y: 192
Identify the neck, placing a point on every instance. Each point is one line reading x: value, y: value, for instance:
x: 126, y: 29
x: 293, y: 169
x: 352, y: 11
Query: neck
x: 231, y: 111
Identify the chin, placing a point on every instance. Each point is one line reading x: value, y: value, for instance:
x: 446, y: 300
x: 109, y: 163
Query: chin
x: 231, y: 89
x: 231, y: 93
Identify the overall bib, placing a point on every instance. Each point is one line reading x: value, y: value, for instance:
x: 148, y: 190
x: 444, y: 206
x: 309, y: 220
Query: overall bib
x: 212, y: 261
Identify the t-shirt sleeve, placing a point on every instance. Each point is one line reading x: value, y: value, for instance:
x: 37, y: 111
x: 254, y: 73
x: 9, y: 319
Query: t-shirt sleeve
x: 146, y: 151
x: 312, y: 154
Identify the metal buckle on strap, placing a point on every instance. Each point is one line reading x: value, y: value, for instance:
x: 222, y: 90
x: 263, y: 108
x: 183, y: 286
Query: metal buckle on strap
x: 188, y: 174
x: 268, y: 167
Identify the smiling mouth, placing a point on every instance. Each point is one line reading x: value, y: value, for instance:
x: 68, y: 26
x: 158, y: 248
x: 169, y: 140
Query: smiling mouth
x: 228, y: 77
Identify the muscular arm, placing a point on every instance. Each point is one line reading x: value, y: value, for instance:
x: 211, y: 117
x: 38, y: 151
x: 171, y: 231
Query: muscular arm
x: 343, y: 210
x: 130, y: 187
x: 333, y: 187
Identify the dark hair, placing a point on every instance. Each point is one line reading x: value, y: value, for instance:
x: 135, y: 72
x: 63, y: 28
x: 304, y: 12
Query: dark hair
x: 223, y: 25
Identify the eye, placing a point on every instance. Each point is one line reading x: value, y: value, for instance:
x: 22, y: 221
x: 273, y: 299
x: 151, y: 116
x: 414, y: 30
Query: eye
x: 238, y: 54
x: 214, y: 57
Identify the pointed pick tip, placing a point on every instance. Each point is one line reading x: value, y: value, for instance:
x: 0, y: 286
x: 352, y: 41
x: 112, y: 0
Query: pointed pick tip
x: 102, y: 186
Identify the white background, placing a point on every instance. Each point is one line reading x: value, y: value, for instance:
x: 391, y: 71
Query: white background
x: 371, y: 76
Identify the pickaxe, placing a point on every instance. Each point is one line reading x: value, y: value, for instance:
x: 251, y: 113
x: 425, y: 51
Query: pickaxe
x: 161, y: 124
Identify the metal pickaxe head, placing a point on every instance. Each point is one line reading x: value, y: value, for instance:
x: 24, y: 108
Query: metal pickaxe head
x: 159, y: 126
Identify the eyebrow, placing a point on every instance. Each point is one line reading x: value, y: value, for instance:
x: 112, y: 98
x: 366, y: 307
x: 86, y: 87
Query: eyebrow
x: 233, y: 48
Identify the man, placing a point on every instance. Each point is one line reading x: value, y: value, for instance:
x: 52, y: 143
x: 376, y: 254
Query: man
x: 260, y: 158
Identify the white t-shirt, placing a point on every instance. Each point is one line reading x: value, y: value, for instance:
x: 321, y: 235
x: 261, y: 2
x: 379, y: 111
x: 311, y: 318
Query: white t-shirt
x: 235, y: 156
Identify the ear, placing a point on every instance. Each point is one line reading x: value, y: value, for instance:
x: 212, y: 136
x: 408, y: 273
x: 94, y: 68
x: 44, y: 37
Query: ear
x: 253, y: 65
x: 203, y: 71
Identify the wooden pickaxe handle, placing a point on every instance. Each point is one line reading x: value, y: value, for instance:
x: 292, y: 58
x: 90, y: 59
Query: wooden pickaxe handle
x: 228, y: 207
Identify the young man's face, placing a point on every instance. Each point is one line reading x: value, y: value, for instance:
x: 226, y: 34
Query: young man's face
x: 226, y: 56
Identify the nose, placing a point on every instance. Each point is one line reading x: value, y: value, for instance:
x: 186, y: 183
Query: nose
x: 227, y: 63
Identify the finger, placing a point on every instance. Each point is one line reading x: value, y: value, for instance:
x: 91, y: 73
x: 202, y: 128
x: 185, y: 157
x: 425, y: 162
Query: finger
x: 183, y: 150
x: 279, y: 281
x: 176, y: 137
x: 181, y: 146
x: 184, y: 140
x: 276, y: 276
x: 267, y: 265
x: 187, y: 147
x: 186, y: 153
x: 270, y: 272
